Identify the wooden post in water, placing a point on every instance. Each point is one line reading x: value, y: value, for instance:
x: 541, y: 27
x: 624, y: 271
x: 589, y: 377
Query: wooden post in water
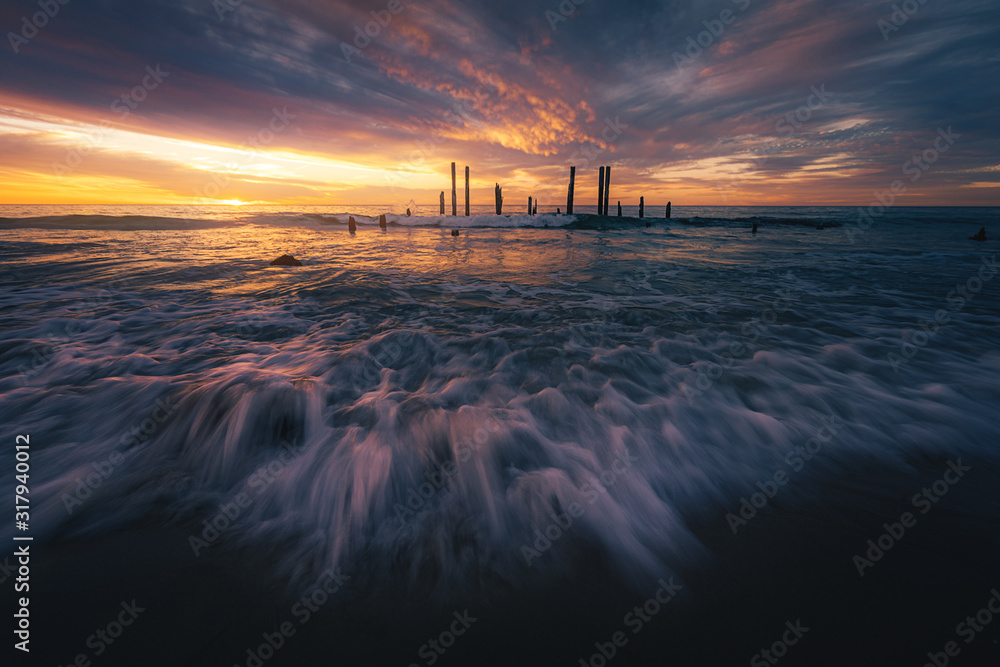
x: 381, y: 221
x: 668, y: 209
x: 454, y: 194
x: 600, y: 193
x: 529, y: 205
x: 607, y: 187
x: 442, y: 202
x: 569, y: 196
x: 467, y: 191
x: 498, y: 193
x: 619, y: 209
x: 534, y: 211
x: 351, y: 225
x: 642, y: 206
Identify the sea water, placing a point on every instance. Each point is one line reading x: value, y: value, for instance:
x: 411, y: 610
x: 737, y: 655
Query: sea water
x: 467, y: 412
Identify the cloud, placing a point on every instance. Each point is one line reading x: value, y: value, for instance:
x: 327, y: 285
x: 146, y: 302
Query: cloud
x: 494, y: 86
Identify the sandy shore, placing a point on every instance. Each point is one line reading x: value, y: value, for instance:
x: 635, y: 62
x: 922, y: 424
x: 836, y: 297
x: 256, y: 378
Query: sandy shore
x: 786, y: 566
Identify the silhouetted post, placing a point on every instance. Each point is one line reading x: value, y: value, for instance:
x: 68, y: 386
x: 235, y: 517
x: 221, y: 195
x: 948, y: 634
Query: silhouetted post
x: 569, y: 196
x: 498, y: 193
x: 600, y: 193
x: 619, y: 209
x: 529, y: 205
x: 381, y: 221
x: 668, y: 209
x: 607, y: 187
x: 351, y: 225
x: 442, y: 202
x: 534, y: 211
x: 466, y: 191
x: 454, y: 192
x: 642, y: 206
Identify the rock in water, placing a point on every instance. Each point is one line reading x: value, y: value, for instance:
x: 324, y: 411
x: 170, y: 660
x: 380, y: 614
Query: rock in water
x: 286, y: 260
x: 981, y: 236
x: 454, y: 232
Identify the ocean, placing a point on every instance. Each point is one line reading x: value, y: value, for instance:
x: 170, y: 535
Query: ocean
x: 543, y: 421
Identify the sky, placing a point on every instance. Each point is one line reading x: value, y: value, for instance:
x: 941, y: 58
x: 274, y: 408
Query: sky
x: 329, y: 102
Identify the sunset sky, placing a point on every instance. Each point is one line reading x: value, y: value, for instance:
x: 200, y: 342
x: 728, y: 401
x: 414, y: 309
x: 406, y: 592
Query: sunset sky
x: 517, y: 90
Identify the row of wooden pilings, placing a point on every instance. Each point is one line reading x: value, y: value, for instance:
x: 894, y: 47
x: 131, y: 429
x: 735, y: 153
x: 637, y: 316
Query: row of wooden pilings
x: 603, y: 195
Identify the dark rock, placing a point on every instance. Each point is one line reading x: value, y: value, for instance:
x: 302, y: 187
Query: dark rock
x: 981, y: 236
x: 286, y: 260
x: 454, y: 232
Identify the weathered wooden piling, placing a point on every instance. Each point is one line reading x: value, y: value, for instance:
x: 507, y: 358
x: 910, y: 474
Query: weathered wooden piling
x: 619, y: 209
x: 381, y: 221
x: 607, y: 187
x: 642, y: 206
x: 529, y: 205
x: 569, y: 195
x: 454, y: 193
x: 442, y: 202
x: 351, y: 225
x: 668, y: 209
x: 466, y: 192
x: 600, y: 193
x: 534, y: 211
x: 498, y: 194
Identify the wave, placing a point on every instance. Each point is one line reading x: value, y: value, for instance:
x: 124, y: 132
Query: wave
x: 109, y: 222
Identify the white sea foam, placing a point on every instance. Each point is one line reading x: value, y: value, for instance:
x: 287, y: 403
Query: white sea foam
x: 529, y: 364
